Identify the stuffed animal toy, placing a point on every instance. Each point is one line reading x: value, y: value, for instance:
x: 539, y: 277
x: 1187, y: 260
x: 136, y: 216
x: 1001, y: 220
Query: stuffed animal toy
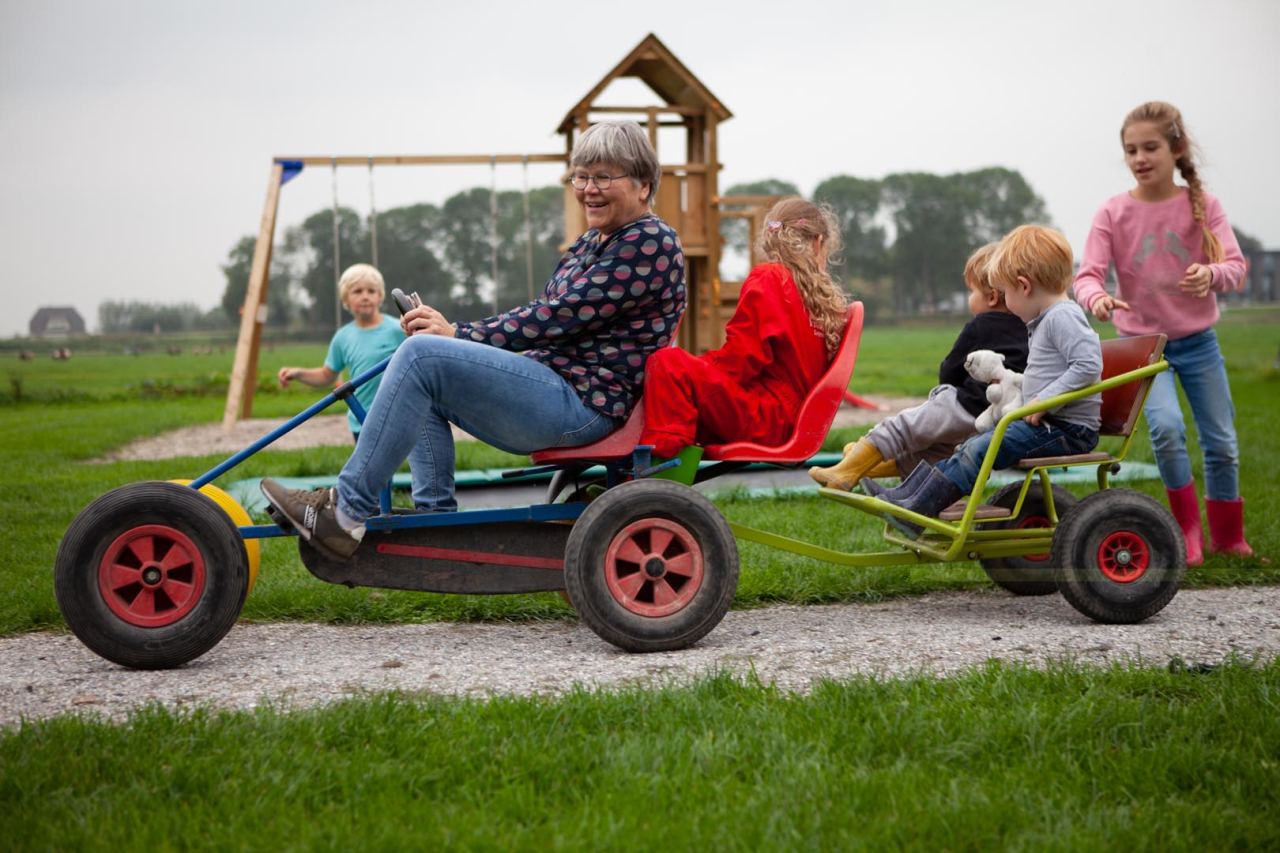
x: 1004, y: 386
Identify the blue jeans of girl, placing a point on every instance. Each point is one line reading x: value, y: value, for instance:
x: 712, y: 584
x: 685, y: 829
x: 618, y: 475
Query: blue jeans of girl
x: 1021, y: 441
x: 502, y: 398
x: 1198, y: 364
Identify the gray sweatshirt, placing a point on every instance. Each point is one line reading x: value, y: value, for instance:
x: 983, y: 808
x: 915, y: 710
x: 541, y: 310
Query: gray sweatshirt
x: 1064, y: 355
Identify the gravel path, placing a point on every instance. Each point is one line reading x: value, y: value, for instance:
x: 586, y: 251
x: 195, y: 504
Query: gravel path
x: 299, y: 665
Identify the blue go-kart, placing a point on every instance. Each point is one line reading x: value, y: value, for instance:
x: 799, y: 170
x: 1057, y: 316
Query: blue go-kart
x: 152, y: 575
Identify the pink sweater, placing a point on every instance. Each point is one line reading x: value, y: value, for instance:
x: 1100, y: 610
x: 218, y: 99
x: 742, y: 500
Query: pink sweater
x: 1152, y: 244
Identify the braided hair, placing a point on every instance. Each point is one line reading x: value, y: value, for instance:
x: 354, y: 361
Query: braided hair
x: 1168, y: 120
x: 790, y: 228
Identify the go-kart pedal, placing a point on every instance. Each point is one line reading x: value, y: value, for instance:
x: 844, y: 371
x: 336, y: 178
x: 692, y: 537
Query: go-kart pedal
x: 282, y: 521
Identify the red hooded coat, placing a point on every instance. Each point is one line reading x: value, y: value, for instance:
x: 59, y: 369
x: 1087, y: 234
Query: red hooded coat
x: 748, y: 390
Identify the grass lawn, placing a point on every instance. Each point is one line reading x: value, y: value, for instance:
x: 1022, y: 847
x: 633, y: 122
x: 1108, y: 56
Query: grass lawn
x: 1002, y: 756
x: 1124, y: 759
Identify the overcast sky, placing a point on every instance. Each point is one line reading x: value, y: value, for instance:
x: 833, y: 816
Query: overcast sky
x: 136, y: 137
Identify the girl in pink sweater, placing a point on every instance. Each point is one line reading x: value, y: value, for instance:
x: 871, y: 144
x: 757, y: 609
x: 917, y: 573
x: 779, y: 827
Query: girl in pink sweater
x: 1173, y: 250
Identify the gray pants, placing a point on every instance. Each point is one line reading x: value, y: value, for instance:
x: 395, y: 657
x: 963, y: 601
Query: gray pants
x: 928, y: 432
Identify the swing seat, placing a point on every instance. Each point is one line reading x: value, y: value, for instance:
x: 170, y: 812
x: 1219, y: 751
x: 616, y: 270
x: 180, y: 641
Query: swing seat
x: 812, y: 423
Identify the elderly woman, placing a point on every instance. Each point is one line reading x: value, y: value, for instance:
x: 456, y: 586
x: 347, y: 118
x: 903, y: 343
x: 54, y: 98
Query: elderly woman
x: 562, y: 371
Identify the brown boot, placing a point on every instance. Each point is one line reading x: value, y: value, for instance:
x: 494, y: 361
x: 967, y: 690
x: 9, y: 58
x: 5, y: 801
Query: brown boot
x: 859, y: 458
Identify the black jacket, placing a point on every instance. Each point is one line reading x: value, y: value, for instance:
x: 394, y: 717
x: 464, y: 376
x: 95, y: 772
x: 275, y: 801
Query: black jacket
x: 994, y: 330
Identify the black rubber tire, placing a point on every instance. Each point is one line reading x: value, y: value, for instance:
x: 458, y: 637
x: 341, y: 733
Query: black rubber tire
x: 701, y: 539
x: 154, y: 516
x: 1025, y: 575
x: 1119, y: 556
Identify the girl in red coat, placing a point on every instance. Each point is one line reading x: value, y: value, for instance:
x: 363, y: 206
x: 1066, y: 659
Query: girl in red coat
x: 780, y: 340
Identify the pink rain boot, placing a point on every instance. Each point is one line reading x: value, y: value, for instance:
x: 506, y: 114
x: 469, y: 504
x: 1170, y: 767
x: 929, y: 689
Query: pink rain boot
x: 1226, y: 527
x: 1186, y: 510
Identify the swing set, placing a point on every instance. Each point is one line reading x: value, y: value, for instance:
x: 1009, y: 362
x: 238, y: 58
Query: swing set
x: 285, y: 169
x: 493, y: 160
x: 688, y: 200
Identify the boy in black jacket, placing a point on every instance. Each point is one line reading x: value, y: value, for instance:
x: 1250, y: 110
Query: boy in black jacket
x: 931, y: 430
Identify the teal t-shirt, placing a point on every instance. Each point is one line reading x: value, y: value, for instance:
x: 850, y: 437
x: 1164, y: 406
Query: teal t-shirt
x: 356, y: 350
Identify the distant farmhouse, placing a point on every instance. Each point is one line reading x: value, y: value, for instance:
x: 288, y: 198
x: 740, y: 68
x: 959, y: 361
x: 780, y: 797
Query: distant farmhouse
x: 1262, y: 279
x: 56, y: 322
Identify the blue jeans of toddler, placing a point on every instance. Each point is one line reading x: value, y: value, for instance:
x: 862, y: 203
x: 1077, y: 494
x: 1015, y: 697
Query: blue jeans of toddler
x: 1021, y: 441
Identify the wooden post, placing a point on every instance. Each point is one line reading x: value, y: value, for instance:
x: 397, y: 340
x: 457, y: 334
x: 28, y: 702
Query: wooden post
x: 711, y: 155
x: 244, y: 373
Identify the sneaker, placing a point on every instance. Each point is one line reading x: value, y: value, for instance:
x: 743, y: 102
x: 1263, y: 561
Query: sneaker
x: 314, y: 514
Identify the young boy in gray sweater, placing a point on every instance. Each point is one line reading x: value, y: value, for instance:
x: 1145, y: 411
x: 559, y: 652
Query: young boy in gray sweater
x: 1033, y: 269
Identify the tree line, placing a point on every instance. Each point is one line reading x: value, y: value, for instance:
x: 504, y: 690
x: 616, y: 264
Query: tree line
x: 133, y: 316
x: 443, y: 252
x: 906, y: 238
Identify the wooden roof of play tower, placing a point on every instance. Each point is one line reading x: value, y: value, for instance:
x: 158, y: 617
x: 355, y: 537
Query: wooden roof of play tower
x: 662, y: 72
x: 688, y: 194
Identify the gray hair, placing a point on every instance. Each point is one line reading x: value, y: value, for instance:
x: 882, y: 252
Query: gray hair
x: 620, y: 143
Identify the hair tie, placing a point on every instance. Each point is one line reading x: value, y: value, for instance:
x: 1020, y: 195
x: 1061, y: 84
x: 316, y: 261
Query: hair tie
x: 773, y: 224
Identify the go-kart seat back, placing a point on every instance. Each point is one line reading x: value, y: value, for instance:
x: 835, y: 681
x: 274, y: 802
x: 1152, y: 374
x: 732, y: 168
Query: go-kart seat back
x: 816, y: 412
x: 1122, y: 405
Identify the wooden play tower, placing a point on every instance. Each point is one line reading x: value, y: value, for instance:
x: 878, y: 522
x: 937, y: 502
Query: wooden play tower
x: 688, y: 198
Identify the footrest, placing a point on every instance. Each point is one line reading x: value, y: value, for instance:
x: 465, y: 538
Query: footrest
x: 986, y: 512
x: 1054, y: 461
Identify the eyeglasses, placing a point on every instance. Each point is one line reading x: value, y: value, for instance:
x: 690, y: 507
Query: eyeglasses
x: 602, y: 182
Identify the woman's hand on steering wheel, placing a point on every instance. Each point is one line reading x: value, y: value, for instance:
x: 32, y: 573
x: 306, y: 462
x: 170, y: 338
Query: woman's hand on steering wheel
x: 425, y: 320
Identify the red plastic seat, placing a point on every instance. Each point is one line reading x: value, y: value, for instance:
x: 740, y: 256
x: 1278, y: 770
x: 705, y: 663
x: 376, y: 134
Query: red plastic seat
x: 816, y: 412
x: 615, y: 445
x: 1122, y: 406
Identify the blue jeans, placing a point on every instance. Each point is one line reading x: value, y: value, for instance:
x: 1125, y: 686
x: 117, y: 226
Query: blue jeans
x: 500, y: 397
x: 1021, y: 441
x: 1198, y: 363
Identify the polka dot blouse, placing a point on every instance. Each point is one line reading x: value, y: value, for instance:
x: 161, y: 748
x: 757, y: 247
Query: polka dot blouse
x: 608, y: 305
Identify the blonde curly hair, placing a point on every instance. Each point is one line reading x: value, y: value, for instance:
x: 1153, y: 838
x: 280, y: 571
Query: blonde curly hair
x: 791, y: 228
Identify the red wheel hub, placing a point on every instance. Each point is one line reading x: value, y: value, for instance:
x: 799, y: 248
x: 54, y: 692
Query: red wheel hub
x: 654, y: 567
x: 1123, y: 556
x: 151, y: 576
x: 1034, y: 521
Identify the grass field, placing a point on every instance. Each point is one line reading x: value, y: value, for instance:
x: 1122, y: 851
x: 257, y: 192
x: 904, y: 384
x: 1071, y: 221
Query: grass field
x: 1002, y: 757
x: 999, y: 757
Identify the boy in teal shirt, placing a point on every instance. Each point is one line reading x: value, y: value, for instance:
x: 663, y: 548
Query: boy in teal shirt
x: 360, y: 344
